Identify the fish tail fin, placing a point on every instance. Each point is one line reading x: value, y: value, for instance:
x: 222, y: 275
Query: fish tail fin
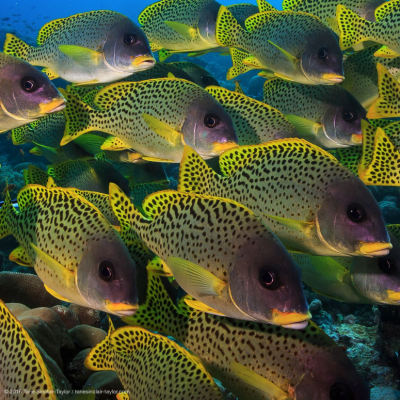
x: 158, y: 312
x: 195, y: 176
x: 6, y: 209
x: 23, y: 134
x: 78, y: 116
x: 353, y: 28
x: 387, y: 105
x: 16, y: 47
x: 229, y: 33
x: 238, y: 67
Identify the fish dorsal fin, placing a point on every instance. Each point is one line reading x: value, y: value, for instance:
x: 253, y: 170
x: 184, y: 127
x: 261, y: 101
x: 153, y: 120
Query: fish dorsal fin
x: 107, y: 96
x: 386, y: 8
x: 21, y: 257
x: 152, y: 10
x: 31, y: 194
x: 265, y: 6
x: 256, y: 21
x: 156, y: 203
x: 250, y: 377
x: 234, y: 159
x: 350, y: 157
x: 290, y: 4
x: 238, y: 88
x: 48, y: 29
x: 50, y: 183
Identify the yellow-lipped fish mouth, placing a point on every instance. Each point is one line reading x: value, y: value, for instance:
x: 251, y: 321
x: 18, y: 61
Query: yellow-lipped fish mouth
x: 221, y: 147
x: 374, y: 249
x: 121, y: 309
x: 356, y: 138
x: 53, y: 106
x: 333, y: 78
x: 140, y: 61
x: 290, y: 320
x: 393, y: 296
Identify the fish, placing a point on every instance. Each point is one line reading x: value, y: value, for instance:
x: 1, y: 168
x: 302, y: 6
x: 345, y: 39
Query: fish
x: 26, y: 94
x: 5, y: 19
x: 157, y: 128
x: 57, y: 155
x: 9, y: 188
x: 293, y: 46
x: 88, y: 48
x: 302, y: 193
x: 197, y: 74
x: 87, y: 174
x: 129, y: 349
x: 252, y: 360
x: 362, y: 76
x: 254, y: 121
x: 327, y: 116
x: 180, y: 25
x: 220, y: 253
x: 74, y: 250
x: 355, y: 29
x: 326, y: 11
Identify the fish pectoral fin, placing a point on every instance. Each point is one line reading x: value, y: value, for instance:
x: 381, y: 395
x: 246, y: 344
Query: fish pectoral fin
x: 304, y: 126
x: 252, y: 61
x: 266, y: 74
x: 252, y: 378
x: 162, y: 129
x: 195, y: 278
x: 298, y: 226
x: 113, y: 143
x: 186, y: 31
x: 330, y: 268
x: 291, y: 58
x: 56, y: 295
x: 81, y: 55
x: 385, y: 52
x: 159, y: 267
x: 21, y: 257
x: 284, y: 77
x: 199, y: 306
x: 50, y: 73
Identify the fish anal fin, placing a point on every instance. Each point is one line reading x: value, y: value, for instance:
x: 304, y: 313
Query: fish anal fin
x: 21, y: 257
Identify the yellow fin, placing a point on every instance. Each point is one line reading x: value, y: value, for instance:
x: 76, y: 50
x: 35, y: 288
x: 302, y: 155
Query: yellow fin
x: 385, y: 52
x: 21, y: 257
x: 162, y: 129
x: 264, y: 6
x: 92, y: 82
x: 332, y: 23
x: 304, y: 126
x: 90, y: 143
x: 159, y: 267
x: 184, y: 30
x: 292, y: 59
x: 122, y: 396
x: 250, y: 377
x: 238, y: 88
x: 197, y: 279
x: 238, y: 67
x: 298, y: 226
x: 154, y: 159
x: 199, y: 306
x: 252, y: 62
x: 50, y: 73
x: 170, y: 75
x: 51, y: 183
x: 36, y: 151
x: 284, y: 77
x: 164, y: 54
x: 81, y: 55
x: 113, y: 143
x: 15, y: 47
x: 330, y: 268
x: 266, y: 74
x: 56, y: 295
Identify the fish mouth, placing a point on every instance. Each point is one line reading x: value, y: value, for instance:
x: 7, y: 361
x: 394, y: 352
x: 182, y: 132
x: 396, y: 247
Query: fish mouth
x: 333, y: 78
x: 219, y: 148
x: 290, y: 320
x: 374, y: 249
x: 52, y: 106
x: 356, y: 138
x: 143, y: 60
x: 393, y: 296
x: 121, y: 309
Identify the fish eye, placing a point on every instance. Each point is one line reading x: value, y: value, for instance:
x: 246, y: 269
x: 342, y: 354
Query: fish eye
x: 356, y: 212
x: 211, y: 120
x: 130, y: 39
x: 106, y: 270
x: 323, y: 53
x: 29, y: 84
x: 349, y: 116
x: 387, y: 265
x: 206, y: 80
x: 268, y: 278
x: 341, y: 391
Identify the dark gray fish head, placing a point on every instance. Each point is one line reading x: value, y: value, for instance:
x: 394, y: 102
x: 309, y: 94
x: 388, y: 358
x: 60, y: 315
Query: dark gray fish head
x: 28, y: 93
x: 127, y: 48
x: 350, y: 221
x: 342, y: 119
x: 106, y: 276
x: 208, y: 128
x: 322, y: 60
x: 197, y: 74
x: 207, y: 22
x: 371, y: 6
x: 331, y: 376
x: 265, y: 284
x: 378, y: 279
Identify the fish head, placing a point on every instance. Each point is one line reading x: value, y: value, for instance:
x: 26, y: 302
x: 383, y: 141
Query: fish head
x: 378, y: 278
x: 322, y: 59
x: 265, y: 284
x: 330, y: 375
x: 200, y: 76
x: 127, y: 48
x: 342, y: 119
x: 208, y: 22
x: 106, y: 276
x: 27, y: 93
x: 349, y: 220
x: 208, y: 128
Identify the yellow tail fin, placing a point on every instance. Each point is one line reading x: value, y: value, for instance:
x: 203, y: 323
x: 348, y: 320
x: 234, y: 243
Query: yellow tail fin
x: 16, y: 47
x: 229, y: 33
